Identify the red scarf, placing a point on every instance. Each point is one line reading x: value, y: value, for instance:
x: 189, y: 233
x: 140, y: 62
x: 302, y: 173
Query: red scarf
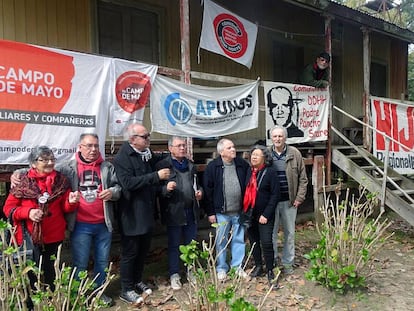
x: 249, y: 199
x: 33, y: 185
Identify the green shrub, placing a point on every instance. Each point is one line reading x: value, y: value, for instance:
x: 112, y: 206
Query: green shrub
x: 205, y: 291
x: 349, y: 238
x: 70, y: 293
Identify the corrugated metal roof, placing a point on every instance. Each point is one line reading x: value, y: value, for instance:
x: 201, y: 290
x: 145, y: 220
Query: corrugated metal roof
x: 358, y: 16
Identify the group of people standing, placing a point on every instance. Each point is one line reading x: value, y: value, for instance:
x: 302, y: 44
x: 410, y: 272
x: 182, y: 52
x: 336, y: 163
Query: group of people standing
x: 82, y: 194
x: 269, y: 191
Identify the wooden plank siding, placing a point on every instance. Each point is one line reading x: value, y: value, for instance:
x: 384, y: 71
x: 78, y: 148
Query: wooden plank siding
x: 63, y: 24
x: 289, y: 37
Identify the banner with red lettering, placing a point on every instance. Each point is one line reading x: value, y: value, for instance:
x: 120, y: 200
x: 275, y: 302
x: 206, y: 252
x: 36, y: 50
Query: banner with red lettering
x: 396, y: 120
x: 132, y: 86
x: 50, y: 96
x: 302, y: 109
x: 227, y: 34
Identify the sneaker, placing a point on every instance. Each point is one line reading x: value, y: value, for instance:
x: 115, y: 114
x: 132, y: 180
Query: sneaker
x: 131, y: 297
x: 175, y: 281
x: 221, y: 275
x: 141, y: 287
x: 287, y: 269
x: 257, y: 271
x: 106, y: 300
x: 242, y: 274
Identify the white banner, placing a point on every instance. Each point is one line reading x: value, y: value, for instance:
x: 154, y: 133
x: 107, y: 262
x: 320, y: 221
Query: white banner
x: 396, y: 120
x: 227, y: 34
x: 302, y: 109
x: 132, y: 86
x: 50, y: 97
x: 197, y: 111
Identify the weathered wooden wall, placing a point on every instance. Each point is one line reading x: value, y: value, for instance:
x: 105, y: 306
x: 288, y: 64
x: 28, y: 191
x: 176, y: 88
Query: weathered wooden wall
x: 71, y: 24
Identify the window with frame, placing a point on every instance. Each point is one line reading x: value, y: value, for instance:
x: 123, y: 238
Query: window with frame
x: 128, y: 32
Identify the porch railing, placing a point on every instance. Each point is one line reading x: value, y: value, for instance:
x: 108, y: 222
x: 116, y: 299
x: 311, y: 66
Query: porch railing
x: 383, y: 172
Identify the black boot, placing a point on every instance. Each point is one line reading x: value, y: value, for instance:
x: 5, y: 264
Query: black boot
x: 272, y: 279
x: 257, y: 271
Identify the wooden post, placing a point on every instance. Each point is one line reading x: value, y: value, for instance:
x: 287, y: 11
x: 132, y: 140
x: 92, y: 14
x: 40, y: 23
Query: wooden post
x: 185, y: 56
x: 328, y: 48
x: 318, y: 183
x: 366, y: 100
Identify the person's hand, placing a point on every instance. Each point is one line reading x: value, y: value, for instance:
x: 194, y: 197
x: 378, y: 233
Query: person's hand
x: 105, y: 195
x: 198, y: 195
x: 262, y: 220
x: 164, y: 173
x: 74, y: 197
x: 296, y: 204
x: 171, y: 186
x: 212, y: 219
x: 14, y: 179
x: 35, y: 215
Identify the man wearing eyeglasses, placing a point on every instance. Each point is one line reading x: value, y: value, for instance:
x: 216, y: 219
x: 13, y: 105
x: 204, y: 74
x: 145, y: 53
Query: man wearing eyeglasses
x: 317, y: 74
x: 135, y: 168
x: 283, y: 109
x: 92, y: 223
x: 179, y: 202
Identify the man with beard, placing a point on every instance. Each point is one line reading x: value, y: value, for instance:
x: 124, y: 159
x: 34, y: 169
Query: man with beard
x: 317, y: 74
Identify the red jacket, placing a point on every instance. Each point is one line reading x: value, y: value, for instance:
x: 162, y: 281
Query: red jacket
x: 53, y: 225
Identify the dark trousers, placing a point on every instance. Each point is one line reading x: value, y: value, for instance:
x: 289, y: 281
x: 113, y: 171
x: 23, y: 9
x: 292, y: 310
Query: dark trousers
x: 261, y: 236
x: 178, y: 235
x: 48, y: 264
x: 134, y: 251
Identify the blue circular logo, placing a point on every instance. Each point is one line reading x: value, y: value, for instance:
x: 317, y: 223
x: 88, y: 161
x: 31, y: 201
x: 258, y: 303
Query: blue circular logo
x: 177, y: 109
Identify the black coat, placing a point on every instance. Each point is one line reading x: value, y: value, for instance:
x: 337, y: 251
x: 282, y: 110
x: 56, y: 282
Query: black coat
x: 268, y: 191
x: 139, y: 183
x: 213, y: 184
x: 172, y: 203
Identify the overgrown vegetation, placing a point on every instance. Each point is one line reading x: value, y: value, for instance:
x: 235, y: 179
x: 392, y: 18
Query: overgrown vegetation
x: 349, y: 238
x: 15, y: 291
x: 205, y: 291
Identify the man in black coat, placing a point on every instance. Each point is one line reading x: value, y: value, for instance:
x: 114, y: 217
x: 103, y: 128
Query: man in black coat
x: 179, y: 202
x: 134, y: 165
x: 224, y: 185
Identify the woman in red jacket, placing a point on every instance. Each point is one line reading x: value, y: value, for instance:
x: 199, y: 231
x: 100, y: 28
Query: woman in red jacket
x: 40, y: 201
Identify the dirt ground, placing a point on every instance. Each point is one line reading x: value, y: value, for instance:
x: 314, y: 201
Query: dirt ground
x: 390, y: 287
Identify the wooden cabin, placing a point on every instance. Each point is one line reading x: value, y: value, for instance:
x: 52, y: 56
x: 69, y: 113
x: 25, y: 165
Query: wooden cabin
x: 369, y: 54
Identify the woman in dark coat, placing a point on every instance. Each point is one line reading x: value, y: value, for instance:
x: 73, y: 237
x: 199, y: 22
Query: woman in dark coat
x: 262, y: 193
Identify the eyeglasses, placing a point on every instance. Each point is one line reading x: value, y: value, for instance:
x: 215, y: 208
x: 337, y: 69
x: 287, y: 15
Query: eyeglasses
x: 90, y: 146
x: 146, y: 136
x: 52, y: 160
x: 256, y: 155
x: 180, y: 146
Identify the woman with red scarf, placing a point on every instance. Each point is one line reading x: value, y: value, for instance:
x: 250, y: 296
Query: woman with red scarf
x: 41, y: 200
x: 262, y: 194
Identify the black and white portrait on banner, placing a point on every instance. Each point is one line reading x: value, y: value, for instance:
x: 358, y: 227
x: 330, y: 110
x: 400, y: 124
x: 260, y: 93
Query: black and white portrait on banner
x: 302, y: 110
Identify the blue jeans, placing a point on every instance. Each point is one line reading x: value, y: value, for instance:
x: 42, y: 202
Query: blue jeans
x: 237, y: 244
x: 176, y: 234
x: 286, y: 214
x: 82, y: 237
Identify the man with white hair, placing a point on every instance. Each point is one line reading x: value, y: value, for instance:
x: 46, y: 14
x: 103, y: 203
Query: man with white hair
x: 224, y: 186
